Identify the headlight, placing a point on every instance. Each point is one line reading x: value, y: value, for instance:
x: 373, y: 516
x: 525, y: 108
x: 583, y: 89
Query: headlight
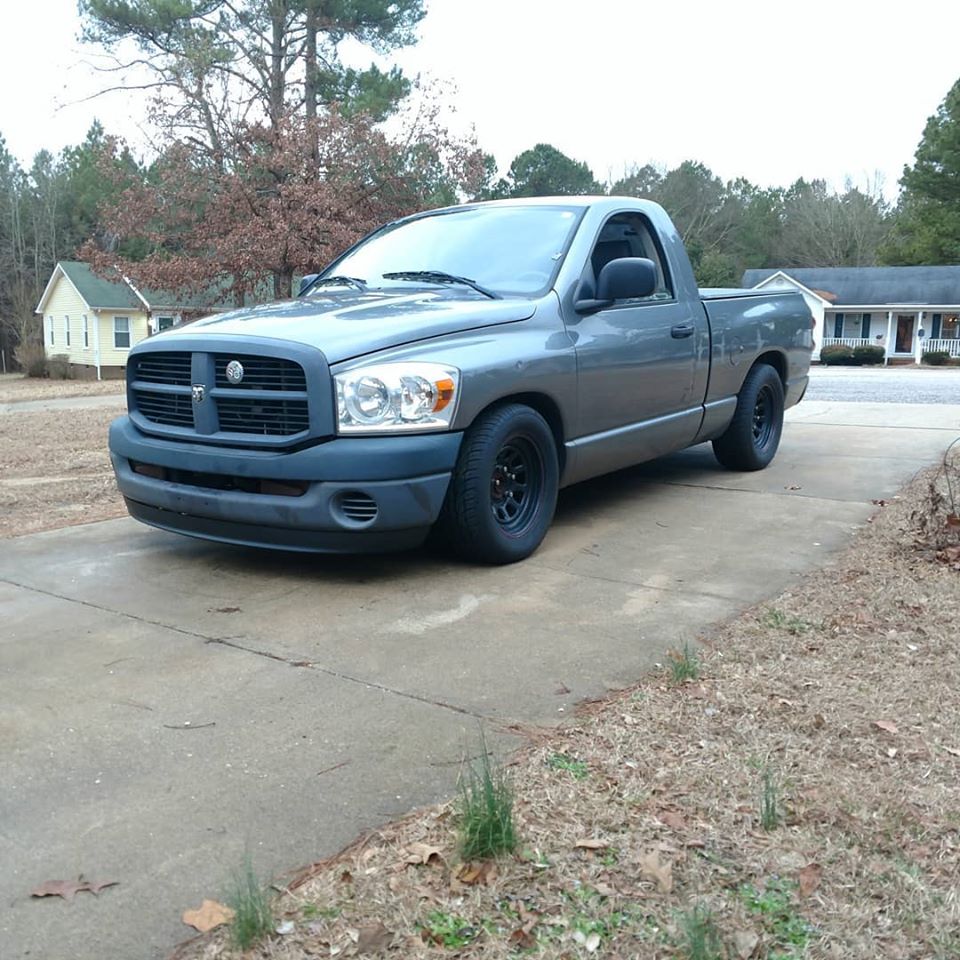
x: 397, y: 397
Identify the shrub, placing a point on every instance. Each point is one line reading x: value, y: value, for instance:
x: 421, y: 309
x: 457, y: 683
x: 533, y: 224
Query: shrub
x: 868, y: 355
x: 31, y: 358
x: 58, y: 367
x: 936, y: 358
x: 836, y: 355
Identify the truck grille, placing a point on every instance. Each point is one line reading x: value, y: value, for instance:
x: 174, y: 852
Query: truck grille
x: 272, y: 418
x: 261, y: 373
x: 171, y: 409
x: 170, y: 368
x: 190, y: 390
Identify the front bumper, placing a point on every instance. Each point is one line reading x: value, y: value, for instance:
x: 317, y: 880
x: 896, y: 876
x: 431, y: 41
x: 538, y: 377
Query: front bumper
x: 405, y: 477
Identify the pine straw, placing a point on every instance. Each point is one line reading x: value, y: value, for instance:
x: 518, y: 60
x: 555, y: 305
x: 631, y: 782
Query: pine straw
x: 866, y: 858
x: 55, y: 470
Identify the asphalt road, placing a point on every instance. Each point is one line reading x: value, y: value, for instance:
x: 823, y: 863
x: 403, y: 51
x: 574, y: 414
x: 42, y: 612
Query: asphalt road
x: 168, y: 704
x: 885, y: 384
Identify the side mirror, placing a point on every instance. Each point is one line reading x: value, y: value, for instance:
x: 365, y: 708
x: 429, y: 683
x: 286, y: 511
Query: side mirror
x: 305, y: 283
x: 628, y: 278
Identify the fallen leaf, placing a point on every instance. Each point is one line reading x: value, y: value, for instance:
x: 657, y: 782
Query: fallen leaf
x: 60, y: 888
x: 209, y: 915
x: 673, y: 820
x: 650, y: 866
x: 286, y: 927
x: 891, y: 752
x: 888, y: 726
x: 953, y: 520
x: 592, y: 942
x: 953, y: 751
x: 417, y: 853
x: 373, y: 938
x: 590, y: 844
x: 522, y: 939
x: 809, y: 878
x: 745, y: 942
x: 481, y: 872
x: 346, y: 877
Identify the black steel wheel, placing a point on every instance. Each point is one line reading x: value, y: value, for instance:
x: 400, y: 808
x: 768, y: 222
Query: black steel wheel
x: 503, y: 491
x: 753, y: 436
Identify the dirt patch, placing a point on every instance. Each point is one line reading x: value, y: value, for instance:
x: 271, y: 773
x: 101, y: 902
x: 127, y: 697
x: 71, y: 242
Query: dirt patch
x: 55, y: 470
x: 14, y: 388
x: 797, y: 798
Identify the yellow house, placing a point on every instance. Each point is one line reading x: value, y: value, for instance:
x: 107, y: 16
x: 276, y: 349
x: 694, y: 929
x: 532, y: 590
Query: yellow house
x: 94, y: 321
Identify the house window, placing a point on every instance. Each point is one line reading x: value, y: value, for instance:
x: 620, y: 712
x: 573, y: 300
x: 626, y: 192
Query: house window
x: 66, y: 331
x: 86, y: 332
x: 950, y: 326
x: 865, y: 327
x: 164, y: 323
x: 838, y: 325
x: 52, y: 339
x: 121, y: 333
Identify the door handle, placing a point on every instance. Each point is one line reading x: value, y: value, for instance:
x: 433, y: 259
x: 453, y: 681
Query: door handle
x: 681, y: 330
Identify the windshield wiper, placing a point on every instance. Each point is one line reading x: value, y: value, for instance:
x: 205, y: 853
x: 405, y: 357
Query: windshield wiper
x: 438, y: 276
x: 355, y: 282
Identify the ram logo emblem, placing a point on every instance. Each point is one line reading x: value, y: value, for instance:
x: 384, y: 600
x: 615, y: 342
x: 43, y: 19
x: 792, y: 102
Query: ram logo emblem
x: 198, y: 393
x: 234, y: 372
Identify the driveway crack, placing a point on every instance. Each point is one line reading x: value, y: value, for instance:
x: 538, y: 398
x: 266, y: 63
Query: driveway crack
x: 266, y: 654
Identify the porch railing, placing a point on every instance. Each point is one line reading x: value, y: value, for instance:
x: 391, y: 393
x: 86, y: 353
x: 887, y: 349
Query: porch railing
x: 848, y: 342
x: 951, y: 345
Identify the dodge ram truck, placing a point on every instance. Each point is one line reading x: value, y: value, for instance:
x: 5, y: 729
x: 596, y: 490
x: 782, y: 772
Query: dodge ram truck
x: 450, y: 373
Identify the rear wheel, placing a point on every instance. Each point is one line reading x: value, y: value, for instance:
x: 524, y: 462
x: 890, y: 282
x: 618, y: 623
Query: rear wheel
x: 752, y: 438
x: 503, y: 491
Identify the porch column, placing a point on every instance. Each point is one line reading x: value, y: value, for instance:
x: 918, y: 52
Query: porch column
x: 918, y: 343
x: 886, y: 349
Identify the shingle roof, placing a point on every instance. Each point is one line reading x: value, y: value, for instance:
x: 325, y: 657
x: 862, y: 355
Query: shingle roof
x: 874, y: 285
x: 100, y: 292
x: 113, y: 292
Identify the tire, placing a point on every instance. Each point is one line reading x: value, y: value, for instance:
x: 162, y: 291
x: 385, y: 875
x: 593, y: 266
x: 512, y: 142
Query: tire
x: 503, y: 491
x: 751, y: 440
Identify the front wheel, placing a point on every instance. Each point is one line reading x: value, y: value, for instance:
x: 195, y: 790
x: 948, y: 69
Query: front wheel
x: 752, y: 438
x: 503, y: 491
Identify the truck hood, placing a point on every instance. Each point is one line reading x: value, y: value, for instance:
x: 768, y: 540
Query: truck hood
x: 350, y: 324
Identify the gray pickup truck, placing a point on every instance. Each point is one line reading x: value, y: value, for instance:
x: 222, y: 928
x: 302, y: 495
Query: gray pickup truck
x: 451, y: 372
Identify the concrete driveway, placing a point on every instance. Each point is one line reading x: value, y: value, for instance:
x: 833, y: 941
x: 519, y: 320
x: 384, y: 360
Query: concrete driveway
x: 166, y: 704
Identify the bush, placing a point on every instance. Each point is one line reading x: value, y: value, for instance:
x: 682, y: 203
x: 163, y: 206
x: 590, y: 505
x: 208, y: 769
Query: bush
x: 837, y: 355
x: 58, y: 367
x: 936, y: 358
x: 868, y: 356
x: 31, y: 358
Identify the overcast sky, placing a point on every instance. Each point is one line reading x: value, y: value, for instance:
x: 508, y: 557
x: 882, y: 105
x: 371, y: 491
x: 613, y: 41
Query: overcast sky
x: 769, y: 91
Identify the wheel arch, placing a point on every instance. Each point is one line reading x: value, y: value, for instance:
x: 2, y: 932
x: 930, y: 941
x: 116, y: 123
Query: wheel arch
x: 775, y: 359
x: 547, y: 407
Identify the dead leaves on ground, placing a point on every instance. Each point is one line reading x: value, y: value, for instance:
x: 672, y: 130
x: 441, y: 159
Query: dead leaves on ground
x: 208, y: 916
x: 67, y: 889
x: 809, y: 879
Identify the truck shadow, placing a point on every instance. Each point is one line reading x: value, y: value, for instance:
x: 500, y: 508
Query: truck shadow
x: 584, y: 501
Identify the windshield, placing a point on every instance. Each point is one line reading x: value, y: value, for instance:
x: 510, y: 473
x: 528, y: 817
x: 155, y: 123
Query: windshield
x: 507, y: 250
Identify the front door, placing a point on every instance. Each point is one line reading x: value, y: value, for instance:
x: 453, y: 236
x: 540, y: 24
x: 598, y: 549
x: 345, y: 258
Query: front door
x: 905, y: 324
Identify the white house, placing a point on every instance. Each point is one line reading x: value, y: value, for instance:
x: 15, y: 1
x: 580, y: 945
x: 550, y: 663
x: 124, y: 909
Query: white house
x: 906, y: 310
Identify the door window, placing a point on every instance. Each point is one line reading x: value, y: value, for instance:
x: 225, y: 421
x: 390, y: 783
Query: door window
x: 629, y: 235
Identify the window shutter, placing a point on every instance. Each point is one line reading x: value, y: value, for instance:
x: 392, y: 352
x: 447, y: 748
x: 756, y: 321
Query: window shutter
x: 838, y: 325
x: 935, y: 329
x: 865, y: 327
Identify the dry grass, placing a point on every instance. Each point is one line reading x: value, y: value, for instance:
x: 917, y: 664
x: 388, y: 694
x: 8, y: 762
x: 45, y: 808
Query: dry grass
x: 14, y: 387
x: 55, y: 470
x: 843, y: 692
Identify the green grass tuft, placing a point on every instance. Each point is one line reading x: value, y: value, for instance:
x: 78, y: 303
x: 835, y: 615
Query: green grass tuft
x: 562, y: 761
x: 251, y: 903
x: 684, y: 665
x: 700, y: 937
x: 485, y: 814
x: 769, y: 802
x: 779, y: 620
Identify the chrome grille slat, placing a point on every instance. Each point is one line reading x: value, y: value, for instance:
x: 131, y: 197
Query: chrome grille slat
x: 171, y: 409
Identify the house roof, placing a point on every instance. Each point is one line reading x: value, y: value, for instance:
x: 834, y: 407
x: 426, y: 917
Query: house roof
x: 872, y: 285
x: 116, y: 292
